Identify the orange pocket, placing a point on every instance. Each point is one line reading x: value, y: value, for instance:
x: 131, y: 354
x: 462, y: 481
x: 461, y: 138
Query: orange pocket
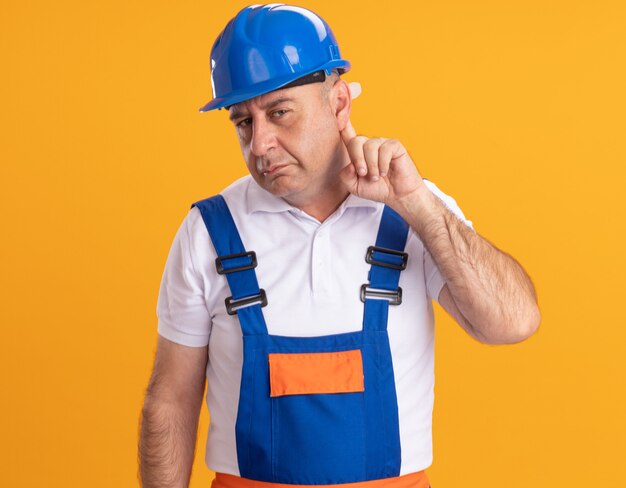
x: 319, y: 372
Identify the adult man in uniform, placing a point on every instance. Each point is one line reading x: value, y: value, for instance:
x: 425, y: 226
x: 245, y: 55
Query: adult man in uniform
x: 317, y: 346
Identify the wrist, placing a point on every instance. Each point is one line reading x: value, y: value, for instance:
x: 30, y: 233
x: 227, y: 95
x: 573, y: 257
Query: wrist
x: 420, y: 208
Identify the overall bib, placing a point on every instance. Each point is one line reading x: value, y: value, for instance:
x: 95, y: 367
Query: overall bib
x: 314, y: 410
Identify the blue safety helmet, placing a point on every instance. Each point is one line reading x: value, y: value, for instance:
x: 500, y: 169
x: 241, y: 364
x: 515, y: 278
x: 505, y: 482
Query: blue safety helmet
x: 266, y: 47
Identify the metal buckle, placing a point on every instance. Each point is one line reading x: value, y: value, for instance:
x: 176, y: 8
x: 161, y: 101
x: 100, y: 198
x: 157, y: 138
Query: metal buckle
x: 369, y: 257
x: 233, y: 305
x: 222, y: 270
x: 394, y: 296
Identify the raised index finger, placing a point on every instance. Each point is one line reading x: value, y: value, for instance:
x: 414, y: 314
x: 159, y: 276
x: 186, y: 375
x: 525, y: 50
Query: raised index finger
x: 348, y: 133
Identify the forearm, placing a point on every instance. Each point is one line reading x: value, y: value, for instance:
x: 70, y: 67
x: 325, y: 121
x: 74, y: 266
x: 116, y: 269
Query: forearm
x: 490, y: 289
x: 167, y: 443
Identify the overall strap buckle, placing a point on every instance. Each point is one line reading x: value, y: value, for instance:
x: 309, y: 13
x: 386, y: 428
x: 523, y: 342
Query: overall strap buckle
x: 394, y: 296
x: 233, y: 305
x: 219, y: 262
x: 398, y: 258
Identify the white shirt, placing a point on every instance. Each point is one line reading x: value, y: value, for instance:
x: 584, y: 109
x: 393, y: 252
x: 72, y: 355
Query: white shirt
x: 312, y: 273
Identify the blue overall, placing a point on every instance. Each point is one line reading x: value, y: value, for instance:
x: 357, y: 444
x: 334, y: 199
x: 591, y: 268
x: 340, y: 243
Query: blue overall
x: 324, y: 438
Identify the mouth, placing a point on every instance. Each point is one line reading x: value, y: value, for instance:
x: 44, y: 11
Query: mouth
x: 272, y: 169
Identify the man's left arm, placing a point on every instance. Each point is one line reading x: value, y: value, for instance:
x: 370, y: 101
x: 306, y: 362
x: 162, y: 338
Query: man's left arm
x: 487, y: 291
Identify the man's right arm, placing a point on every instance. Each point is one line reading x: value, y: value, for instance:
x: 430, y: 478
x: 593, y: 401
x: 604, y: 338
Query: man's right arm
x: 170, y: 414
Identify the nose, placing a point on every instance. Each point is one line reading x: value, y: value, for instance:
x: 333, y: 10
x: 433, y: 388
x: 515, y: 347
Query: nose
x: 263, y: 137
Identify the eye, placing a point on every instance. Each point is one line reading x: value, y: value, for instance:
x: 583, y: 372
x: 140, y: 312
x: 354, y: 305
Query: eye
x: 244, y: 123
x: 279, y: 113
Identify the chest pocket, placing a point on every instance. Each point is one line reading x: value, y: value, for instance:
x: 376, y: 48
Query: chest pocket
x: 307, y: 373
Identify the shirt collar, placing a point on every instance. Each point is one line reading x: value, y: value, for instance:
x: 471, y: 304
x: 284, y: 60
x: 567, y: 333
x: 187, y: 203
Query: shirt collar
x: 260, y: 200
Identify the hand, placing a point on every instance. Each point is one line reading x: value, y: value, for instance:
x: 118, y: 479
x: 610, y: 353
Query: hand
x: 380, y: 169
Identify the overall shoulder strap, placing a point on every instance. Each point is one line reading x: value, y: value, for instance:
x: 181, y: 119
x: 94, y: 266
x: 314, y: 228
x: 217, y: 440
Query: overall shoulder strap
x: 388, y: 259
x: 236, y: 263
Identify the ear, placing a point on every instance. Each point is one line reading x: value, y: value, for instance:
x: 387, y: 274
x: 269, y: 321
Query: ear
x: 341, y: 103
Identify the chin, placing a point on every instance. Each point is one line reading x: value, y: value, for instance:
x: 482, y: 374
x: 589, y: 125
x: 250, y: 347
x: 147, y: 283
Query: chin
x: 283, y: 192
x: 279, y: 188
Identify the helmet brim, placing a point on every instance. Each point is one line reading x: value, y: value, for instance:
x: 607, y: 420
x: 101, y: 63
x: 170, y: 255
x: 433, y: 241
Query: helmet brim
x: 268, y: 86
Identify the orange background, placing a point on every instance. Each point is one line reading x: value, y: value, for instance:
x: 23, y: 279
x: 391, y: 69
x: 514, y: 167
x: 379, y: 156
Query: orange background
x: 516, y: 109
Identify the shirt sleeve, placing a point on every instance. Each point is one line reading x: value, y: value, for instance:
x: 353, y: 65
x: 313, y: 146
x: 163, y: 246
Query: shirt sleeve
x: 434, y: 278
x: 181, y: 309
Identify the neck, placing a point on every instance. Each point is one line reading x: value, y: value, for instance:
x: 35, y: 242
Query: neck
x: 324, y: 203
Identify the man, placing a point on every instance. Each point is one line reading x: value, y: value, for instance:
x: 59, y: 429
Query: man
x: 302, y: 292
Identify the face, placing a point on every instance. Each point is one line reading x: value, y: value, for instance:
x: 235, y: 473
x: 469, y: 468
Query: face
x: 291, y: 143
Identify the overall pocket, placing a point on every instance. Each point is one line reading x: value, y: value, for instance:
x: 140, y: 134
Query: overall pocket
x: 318, y: 417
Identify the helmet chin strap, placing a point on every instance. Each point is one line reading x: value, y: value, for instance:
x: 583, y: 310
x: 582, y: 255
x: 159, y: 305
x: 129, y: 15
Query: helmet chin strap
x: 316, y: 77
x: 320, y: 76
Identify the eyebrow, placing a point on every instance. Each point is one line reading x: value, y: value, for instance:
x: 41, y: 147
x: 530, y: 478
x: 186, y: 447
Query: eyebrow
x: 236, y: 114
